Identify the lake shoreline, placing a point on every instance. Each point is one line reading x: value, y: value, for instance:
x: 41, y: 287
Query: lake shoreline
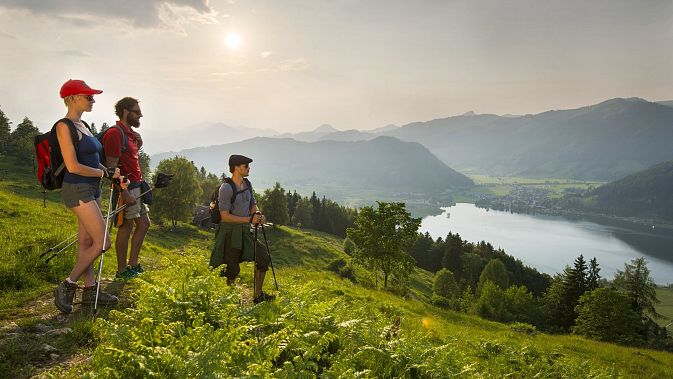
x: 548, y: 242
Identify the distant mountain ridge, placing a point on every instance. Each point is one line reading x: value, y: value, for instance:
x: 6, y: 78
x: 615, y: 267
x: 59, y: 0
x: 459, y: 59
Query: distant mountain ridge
x: 382, y: 164
x: 604, y: 141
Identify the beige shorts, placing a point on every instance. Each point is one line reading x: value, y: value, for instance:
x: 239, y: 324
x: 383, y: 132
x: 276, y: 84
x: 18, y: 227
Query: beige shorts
x: 138, y: 209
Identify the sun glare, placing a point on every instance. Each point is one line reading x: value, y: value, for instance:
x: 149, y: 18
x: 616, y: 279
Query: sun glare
x: 233, y: 40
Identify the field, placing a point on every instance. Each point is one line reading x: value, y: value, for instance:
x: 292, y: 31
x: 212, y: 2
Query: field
x: 665, y: 308
x: 180, y: 320
x: 502, y: 185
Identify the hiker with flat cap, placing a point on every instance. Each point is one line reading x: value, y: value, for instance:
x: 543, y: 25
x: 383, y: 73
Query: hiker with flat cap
x: 121, y: 145
x: 233, y: 238
x: 82, y: 194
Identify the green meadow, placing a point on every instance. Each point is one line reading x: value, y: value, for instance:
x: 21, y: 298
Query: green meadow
x: 179, y: 319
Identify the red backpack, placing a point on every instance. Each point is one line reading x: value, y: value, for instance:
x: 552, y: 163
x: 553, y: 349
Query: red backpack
x: 50, y: 165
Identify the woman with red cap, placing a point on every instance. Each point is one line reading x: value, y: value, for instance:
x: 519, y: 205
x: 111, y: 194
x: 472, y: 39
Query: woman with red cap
x: 82, y: 194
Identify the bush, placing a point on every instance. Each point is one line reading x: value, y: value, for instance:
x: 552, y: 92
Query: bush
x: 606, y: 314
x: 445, y: 284
x: 343, y: 268
x: 514, y: 304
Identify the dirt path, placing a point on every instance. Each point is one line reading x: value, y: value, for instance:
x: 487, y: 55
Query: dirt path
x: 37, y: 337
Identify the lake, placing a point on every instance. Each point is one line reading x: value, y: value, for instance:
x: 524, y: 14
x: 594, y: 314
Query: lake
x: 549, y: 243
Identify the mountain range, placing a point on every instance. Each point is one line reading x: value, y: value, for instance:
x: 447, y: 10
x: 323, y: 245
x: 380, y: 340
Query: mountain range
x: 382, y: 165
x: 605, y: 141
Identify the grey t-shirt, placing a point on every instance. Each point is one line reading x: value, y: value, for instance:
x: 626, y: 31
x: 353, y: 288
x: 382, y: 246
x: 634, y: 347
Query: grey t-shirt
x: 244, y: 200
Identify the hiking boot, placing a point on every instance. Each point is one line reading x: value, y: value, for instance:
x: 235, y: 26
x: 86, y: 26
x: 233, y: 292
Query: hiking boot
x: 125, y: 275
x: 104, y: 298
x: 138, y: 269
x: 263, y: 297
x: 63, y: 296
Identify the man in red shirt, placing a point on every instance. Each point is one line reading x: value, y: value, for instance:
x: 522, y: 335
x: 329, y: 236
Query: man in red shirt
x: 123, y: 152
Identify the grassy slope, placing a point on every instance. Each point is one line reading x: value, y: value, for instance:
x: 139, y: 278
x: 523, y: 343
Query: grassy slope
x: 665, y: 308
x: 462, y: 343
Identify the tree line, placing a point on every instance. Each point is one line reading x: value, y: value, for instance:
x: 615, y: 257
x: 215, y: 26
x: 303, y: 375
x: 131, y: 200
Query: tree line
x: 476, y: 278
x: 192, y: 186
x: 19, y: 143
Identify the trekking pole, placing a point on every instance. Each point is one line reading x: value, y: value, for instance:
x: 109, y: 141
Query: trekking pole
x: 254, y: 264
x: 266, y: 242
x: 59, y: 244
x: 60, y: 250
x: 163, y: 180
x: 102, y: 254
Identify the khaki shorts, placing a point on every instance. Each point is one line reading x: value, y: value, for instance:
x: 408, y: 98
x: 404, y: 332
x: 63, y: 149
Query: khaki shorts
x: 138, y: 209
x: 74, y: 192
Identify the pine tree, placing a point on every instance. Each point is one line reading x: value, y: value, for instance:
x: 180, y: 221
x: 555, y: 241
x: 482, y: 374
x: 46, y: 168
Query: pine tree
x: 594, y: 275
x: 275, y: 207
x: 639, y: 286
x: 4, y: 133
x: 94, y: 131
x: 302, y: 216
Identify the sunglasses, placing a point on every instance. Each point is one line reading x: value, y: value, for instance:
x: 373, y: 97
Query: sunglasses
x: 88, y: 97
x: 136, y: 111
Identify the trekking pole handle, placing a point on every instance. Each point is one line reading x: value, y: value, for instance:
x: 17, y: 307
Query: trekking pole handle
x: 255, y: 224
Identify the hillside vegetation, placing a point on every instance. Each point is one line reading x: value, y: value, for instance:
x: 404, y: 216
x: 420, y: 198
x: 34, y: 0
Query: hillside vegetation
x: 645, y: 194
x: 181, y: 320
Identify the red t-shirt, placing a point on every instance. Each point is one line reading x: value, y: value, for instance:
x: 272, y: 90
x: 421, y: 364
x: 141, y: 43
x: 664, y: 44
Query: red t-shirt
x: 128, y: 163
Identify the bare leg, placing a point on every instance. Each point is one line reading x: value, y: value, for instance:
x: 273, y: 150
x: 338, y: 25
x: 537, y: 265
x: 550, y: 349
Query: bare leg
x: 259, y: 281
x: 91, y: 219
x: 122, y: 243
x: 85, y: 242
x: 142, y: 226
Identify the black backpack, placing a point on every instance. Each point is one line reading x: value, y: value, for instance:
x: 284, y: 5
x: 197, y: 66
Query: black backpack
x: 50, y: 165
x: 215, y: 201
x: 125, y: 142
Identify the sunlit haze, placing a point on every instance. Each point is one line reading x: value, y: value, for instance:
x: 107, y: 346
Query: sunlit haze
x: 292, y: 66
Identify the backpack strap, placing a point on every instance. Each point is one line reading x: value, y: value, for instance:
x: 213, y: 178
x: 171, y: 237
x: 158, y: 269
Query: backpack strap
x: 235, y: 192
x: 125, y: 140
x: 74, y: 138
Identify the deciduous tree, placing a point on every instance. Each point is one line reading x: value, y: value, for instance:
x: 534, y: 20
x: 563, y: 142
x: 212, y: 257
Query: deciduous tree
x: 176, y: 202
x: 382, y: 237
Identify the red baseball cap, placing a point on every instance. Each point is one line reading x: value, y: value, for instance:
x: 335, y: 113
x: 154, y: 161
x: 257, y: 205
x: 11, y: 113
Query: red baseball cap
x: 77, y: 87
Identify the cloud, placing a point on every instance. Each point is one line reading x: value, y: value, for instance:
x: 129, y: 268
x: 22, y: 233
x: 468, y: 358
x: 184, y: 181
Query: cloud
x: 75, y: 53
x: 228, y: 73
x: 142, y: 14
x: 265, y: 54
x: 299, y: 64
x: 6, y: 35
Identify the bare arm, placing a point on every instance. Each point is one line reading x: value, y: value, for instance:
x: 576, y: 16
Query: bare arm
x: 126, y: 195
x: 233, y: 219
x: 70, y: 157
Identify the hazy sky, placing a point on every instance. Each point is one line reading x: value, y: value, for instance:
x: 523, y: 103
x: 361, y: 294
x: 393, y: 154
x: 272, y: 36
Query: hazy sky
x: 352, y: 64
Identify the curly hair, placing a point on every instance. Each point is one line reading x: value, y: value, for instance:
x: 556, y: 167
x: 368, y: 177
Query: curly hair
x: 125, y: 104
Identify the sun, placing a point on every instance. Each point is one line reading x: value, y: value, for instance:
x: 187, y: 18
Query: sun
x: 233, y: 40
